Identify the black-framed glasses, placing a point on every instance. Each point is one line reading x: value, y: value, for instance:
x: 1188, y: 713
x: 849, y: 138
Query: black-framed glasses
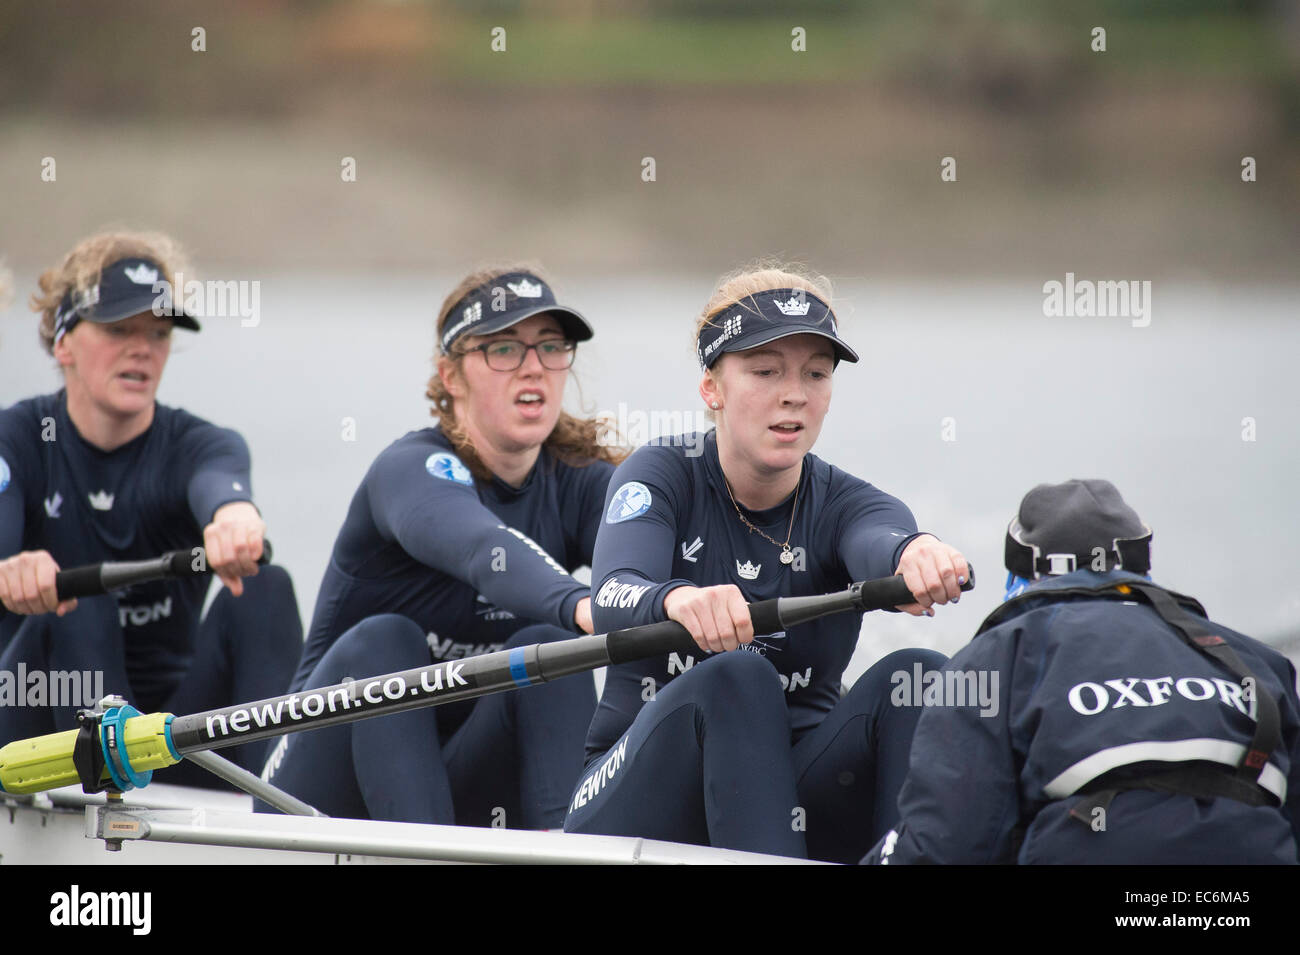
x: 507, y: 354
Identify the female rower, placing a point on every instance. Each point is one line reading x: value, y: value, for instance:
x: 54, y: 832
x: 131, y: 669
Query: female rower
x: 460, y: 536
x: 100, y: 471
x: 711, y: 748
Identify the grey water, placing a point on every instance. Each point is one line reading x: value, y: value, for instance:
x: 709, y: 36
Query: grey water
x: 965, y: 398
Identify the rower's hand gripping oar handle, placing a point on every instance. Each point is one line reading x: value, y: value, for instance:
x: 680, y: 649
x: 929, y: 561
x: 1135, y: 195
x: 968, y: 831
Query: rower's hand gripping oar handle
x: 95, y: 579
x: 770, y: 616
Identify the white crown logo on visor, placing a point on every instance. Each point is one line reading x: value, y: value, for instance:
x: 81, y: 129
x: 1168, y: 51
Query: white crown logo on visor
x: 84, y: 298
x: 525, y: 289
x: 142, y: 274
x: 793, y: 306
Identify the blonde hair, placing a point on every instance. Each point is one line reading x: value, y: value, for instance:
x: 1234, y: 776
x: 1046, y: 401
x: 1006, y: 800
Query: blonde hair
x: 82, y: 267
x: 575, y: 441
x: 763, y: 275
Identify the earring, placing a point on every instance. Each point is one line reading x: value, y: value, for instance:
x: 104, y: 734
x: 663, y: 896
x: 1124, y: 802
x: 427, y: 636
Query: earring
x: 714, y: 405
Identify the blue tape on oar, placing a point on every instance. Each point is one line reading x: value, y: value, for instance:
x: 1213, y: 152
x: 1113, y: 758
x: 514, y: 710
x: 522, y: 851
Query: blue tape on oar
x: 167, y: 737
x: 119, y: 765
x: 518, y: 670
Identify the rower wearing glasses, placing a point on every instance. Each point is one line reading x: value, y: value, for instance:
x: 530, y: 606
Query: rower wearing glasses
x: 460, y: 541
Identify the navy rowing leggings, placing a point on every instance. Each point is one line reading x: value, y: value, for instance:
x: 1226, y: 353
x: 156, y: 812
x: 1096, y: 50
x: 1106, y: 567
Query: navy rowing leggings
x: 709, y: 761
x: 851, y: 767
x: 246, y: 649
x: 511, y: 763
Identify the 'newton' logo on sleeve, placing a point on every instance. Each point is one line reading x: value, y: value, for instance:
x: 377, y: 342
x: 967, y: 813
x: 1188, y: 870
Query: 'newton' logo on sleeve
x: 631, y: 500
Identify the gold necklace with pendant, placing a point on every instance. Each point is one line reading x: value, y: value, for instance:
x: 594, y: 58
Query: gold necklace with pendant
x: 787, y: 555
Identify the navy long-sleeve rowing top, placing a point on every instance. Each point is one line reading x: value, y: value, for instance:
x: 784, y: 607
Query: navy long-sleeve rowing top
x: 84, y: 505
x: 471, y: 561
x: 669, y: 521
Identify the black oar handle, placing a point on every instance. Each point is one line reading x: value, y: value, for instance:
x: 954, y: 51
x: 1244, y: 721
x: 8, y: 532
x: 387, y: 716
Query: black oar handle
x: 770, y: 616
x: 95, y: 579
x: 637, y: 643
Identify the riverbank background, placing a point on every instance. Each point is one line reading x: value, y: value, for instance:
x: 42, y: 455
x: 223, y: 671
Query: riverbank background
x: 816, y: 132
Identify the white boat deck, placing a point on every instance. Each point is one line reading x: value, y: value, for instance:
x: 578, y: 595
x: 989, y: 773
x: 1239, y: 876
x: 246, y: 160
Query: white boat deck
x: 172, y: 825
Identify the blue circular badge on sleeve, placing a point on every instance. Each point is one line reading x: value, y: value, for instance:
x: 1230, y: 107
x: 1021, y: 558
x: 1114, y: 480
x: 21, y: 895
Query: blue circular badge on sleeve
x: 449, y: 468
x: 629, y: 501
x: 4, y: 475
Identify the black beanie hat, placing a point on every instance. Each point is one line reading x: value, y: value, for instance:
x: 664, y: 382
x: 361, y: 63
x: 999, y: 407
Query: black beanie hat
x: 1060, y: 528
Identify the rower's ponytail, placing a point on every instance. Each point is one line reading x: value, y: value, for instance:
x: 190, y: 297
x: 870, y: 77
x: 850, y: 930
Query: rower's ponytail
x: 575, y: 441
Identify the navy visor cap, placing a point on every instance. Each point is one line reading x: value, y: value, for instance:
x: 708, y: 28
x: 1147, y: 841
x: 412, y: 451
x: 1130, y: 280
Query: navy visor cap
x: 126, y: 287
x: 506, y: 301
x: 766, y: 316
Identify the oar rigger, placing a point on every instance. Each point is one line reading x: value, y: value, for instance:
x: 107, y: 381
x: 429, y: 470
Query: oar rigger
x: 88, y: 754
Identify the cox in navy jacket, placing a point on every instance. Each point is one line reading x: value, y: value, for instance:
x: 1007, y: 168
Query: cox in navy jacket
x: 1086, y: 686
